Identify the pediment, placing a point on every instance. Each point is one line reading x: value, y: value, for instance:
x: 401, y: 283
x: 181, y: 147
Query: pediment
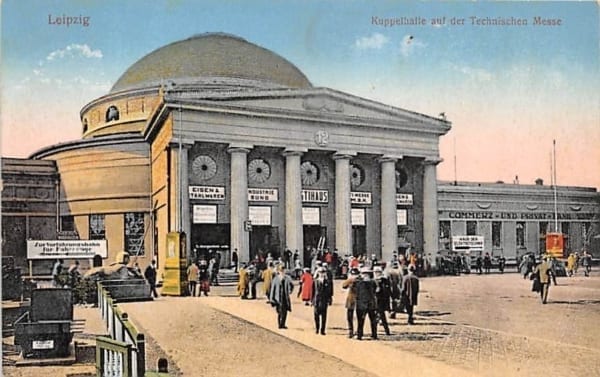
x: 326, y: 104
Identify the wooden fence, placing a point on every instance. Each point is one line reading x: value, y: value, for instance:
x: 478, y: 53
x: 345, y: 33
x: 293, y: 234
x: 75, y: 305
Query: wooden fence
x: 124, y: 353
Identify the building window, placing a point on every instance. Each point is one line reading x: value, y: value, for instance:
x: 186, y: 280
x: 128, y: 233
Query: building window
x: 496, y: 234
x: 85, y: 125
x: 543, y: 229
x: 445, y: 229
x: 112, y: 114
x: 97, y: 227
x: 586, y: 236
x: 520, y: 234
x: 67, y: 223
x: 134, y: 233
x: 471, y: 228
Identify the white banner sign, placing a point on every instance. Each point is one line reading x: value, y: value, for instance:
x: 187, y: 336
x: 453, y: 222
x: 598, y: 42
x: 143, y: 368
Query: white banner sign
x: 204, y: 214
x: 207, y: 192
x: 311, y: 216
x: 259, y: 215
x: 52, y: 249
x: 401, y: 217
x: 404, y: 199
x: 358, y: 216
x: 262, y: 195
x: 474, y: 243
x: 315, y: 196
x: 360, y: 197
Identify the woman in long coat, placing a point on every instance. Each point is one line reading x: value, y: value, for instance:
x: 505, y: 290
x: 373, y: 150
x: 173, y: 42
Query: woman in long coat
x: 267, y: 278
x: 243, y: 282
x: 306, y: 286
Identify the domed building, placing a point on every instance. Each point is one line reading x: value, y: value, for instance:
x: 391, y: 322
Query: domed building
x: 231, y: 144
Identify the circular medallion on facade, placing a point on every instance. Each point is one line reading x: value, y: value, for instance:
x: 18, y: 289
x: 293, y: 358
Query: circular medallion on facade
x: 204, y: 167
x: 357, y: 175
x: 309, y: 173
x: 401, y: 178
x: 322, y: 138
x: 258, y: 171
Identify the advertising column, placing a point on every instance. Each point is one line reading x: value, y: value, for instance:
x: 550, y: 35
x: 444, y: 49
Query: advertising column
x: 293, y: 202
x: 343, y: 208
x: 430, y: 210
x: 239, y: 201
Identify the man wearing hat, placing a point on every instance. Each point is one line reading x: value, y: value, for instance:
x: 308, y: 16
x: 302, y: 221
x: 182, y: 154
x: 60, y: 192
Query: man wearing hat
x: 366, y: 303
x: 410, y: 292
x: 544, y: 270
x: 350, y: 285
x: 322, y: 296
x: 395, y: 277
x: 383, y: 294
x: 281, y: 289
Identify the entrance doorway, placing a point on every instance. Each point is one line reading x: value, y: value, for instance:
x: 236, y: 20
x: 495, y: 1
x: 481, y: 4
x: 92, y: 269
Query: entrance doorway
x: 312, y: 234
x: 210, y: 237
x: 265, y: 239
x: 359, y: 240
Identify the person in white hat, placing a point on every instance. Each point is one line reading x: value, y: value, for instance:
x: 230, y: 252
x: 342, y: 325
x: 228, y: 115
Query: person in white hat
x: 366, y: 303
x: 322, y: 296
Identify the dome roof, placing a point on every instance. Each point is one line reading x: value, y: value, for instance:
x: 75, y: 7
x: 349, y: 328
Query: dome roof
x: 211, y: 55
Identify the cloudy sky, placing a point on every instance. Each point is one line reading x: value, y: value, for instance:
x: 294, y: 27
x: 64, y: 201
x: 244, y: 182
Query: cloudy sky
x: 509, y: 85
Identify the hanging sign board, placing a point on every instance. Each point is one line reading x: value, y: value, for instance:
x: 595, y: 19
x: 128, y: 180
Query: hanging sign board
x: 67, y: 249
x: 360, y: 197
x: 207, y: 192
x: 404, y: 199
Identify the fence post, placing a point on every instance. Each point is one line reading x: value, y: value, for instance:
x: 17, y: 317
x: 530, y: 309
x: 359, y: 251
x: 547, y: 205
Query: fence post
x: 141, y: 354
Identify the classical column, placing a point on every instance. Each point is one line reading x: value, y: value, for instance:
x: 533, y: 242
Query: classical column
x: 389, y: 221
x: 239, y: 201
x: 430, y: 210
x: 184, y: 196
x: 294, y: 237
x: 343, y: 208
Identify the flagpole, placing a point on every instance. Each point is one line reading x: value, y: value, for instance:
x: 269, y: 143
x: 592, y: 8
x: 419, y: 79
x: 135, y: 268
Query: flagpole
x: 554, y: 178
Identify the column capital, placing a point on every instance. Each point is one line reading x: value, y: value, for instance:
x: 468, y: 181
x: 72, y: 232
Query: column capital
x: 432, y: 161
x: 343, y: 155
x: 294, y: 152
x: 185, y: 144
x: 390, y: 158
x: 239, y: 148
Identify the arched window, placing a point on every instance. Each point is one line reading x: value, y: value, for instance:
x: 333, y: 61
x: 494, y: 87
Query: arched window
x: 85, y: 125
x: 112, y: 114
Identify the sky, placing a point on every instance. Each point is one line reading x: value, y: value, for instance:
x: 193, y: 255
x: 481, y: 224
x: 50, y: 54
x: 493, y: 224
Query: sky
x: 510, y: 76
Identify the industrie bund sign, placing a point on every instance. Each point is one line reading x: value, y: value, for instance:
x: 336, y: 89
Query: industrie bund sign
x: 56, y: 249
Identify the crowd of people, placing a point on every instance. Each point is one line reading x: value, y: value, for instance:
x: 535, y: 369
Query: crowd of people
x: 373, y: 289
x: 201, y: 274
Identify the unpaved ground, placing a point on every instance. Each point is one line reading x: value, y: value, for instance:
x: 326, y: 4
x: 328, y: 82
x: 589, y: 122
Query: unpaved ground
x: 483, y: 325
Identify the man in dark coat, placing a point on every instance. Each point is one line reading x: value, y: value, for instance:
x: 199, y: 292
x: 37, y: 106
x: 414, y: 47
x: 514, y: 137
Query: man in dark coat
x: 383, y: 294
x: 366, y: 302
x: 150, y: 275
x: 321, y: 299
x: 410, y: 293
x: 279, y: 296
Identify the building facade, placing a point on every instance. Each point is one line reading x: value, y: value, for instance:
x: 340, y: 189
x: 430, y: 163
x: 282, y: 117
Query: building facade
x: 230, y: 143
x: 513, y: 219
